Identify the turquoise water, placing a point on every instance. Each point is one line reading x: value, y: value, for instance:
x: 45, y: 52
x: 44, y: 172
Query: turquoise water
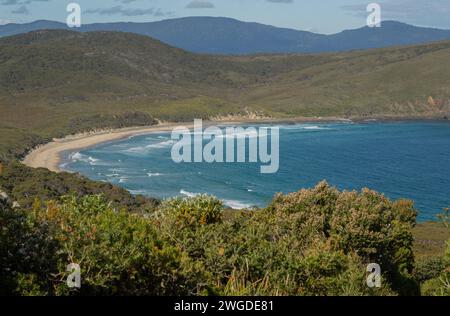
x: 401, y: 159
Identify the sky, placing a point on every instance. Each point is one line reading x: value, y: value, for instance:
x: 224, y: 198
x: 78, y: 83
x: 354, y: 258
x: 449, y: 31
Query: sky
x: 320, y: 16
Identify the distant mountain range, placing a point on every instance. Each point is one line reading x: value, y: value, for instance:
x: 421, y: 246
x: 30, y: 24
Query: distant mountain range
x: 215, y: 35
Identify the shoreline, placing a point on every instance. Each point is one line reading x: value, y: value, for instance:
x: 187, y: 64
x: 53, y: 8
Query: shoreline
x: 49, y: 155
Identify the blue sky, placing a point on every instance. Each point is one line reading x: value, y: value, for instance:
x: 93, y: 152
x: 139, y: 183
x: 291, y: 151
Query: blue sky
x: 324, y: 16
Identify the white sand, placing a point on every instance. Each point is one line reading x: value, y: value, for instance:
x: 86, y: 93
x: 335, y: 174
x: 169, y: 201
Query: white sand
x: 49, y: 155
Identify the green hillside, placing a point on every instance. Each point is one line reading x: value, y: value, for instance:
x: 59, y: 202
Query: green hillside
x: 52, y: 81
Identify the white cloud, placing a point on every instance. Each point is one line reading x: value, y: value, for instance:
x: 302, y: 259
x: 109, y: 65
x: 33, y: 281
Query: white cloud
x: 198, y: 4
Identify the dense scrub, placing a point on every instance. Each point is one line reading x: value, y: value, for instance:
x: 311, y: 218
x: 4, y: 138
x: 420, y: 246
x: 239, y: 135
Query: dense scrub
x: 15, y: 143
x: 434, y: 273
x: 110, y: 121
x: 28, y: 186
x: 313, y: 242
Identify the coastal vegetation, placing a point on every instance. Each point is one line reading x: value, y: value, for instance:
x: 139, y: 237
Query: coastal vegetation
x: 313, y: 242
x: 28, y: 186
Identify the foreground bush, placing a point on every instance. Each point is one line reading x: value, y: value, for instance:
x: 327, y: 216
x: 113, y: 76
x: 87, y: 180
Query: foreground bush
x: 302, y: 244
x: 365, y: 223
x: 313, y: 242
x: 119, y: 253
x: 436, y: 273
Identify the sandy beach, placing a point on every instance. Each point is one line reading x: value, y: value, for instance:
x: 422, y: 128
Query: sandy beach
x: 49, y: 155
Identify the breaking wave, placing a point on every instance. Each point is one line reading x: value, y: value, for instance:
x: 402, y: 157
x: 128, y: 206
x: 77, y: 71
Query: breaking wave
x: 141, y: 149
x: 84, y: 158
x: 189, y: 194
x: 237, y: 205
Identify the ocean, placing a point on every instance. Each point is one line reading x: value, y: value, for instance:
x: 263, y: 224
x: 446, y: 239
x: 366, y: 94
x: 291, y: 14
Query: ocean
x: 400, y: 159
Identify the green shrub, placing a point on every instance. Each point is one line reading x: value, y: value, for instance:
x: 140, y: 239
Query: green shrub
x: 25, y: 184
x: 365, y: 223
x: 191, y: 212
x: 26, y: 253
x: 118, y: 252
x: 440, y: 284
x: 429, y: 268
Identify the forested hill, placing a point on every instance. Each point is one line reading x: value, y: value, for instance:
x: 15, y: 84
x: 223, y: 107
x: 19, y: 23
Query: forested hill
x: 53, y: 83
